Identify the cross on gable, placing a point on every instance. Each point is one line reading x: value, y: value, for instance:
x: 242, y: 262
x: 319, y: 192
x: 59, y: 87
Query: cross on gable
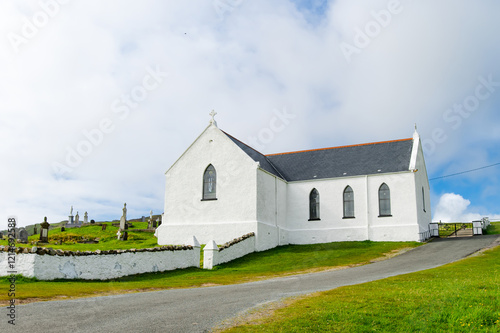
x: 212, y: 121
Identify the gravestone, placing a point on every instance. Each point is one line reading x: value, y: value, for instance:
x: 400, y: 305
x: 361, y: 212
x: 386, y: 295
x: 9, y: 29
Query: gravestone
x: 70, y: 217
x: 125, y: 236
x: 77, y: 218
x: 118, y: 235
x: 123, y: 219
x: 104, y: 227
x: 23, y: 235
x: 63, y: 229
x: 143, y: 219
x: 92, y: 222
x: 85, y: 218
x: 154, y: 225
x: 158, y: 222
x: 44, y: 231
x: 35, y: 230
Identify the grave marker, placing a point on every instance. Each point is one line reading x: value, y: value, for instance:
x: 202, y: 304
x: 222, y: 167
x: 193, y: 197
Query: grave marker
x: 23, y: 235
x: 44, y: 231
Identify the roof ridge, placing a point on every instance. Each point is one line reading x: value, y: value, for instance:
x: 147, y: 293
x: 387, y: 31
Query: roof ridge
x: 265, y: 156
x: 242, y: 142
x: 328, y: 148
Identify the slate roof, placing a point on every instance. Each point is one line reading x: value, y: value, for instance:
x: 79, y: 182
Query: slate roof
x: 345, y: 161
x: 257, y: 157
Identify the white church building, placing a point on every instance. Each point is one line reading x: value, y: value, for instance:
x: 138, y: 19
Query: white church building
x: 221, y: 189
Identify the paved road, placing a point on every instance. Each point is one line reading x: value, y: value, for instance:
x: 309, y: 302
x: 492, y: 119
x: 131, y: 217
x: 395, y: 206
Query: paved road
x: 199, y: 309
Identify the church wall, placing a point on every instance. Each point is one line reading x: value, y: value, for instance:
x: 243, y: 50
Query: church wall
x: 421, y: 180
x: 271, y: 210
x: 401, y: 226
x: 232, y: 215
x: 332, y: 226
x: 236, y: 184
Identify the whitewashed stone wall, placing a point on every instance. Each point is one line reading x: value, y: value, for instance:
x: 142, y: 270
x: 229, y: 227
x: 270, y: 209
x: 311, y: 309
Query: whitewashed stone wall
x: 213, y: 255
x: 93, y: 266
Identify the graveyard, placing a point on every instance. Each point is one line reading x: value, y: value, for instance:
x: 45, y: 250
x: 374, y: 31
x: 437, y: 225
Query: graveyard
x: 90, y: 237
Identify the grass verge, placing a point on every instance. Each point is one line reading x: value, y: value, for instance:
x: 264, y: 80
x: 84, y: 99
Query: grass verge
x: 280, y: 261
x: 493, y: 229
x: 458, y: 297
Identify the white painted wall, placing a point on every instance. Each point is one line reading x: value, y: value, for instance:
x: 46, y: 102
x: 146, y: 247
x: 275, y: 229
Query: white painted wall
x: 403, y: 225
x: 422, y: 181
x: 100, y: 267
x: 271, y: 210
x: 332, y: 227
x: 233, y: 214
x: 213, y: 257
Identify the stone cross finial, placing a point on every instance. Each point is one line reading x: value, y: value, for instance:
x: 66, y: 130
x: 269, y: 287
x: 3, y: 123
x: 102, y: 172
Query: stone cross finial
x: 213, y: 114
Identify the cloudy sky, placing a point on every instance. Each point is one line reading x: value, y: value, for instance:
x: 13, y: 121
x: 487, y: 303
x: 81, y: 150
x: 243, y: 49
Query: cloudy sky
x: 99, y: 98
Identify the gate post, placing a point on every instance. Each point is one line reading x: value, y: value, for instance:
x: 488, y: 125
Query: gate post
x: 434, y: 229
x: 477, y: 227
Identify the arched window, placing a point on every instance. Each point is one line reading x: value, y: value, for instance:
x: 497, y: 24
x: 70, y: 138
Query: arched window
x: 384, y: 200
x: 314, y: 205
x: 423, y: 197
x: 348, y: 202
x: 209, y: 183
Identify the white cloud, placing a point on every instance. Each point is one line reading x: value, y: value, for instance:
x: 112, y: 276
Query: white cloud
x: 454, y: 208
x: 260, y: 57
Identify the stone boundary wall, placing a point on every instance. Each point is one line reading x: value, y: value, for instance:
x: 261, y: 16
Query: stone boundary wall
x: 237, y: 248
x: 49, y: 264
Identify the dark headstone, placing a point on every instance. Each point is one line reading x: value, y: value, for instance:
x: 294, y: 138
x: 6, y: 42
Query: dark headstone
x: 154, y: 224
x: 159, y: 222
x: 125, y: 235
x: 63, y: 229
x: 104, y: 227
x: 92, y: 222
x: 35, y: 230
x: 144, y: 219
x: 44, y: 231
x: 23, y: 235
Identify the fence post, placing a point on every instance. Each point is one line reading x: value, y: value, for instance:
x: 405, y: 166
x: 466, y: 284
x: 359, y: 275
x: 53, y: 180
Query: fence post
x: 210, y: 253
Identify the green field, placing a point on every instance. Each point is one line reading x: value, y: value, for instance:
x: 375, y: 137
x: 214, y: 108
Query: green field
x: 280, y: 261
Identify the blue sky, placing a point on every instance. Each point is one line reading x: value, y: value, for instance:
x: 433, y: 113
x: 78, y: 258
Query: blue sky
x: 98, y: 98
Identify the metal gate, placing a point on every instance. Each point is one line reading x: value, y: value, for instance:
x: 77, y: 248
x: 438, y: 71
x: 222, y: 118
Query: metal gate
x: 455, y: 229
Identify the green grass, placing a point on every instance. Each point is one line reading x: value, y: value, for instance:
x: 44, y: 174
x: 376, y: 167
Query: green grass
x: 459, y: 297
x: 493, y: 228
x: 67, y: 240
x: 281, y: 261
